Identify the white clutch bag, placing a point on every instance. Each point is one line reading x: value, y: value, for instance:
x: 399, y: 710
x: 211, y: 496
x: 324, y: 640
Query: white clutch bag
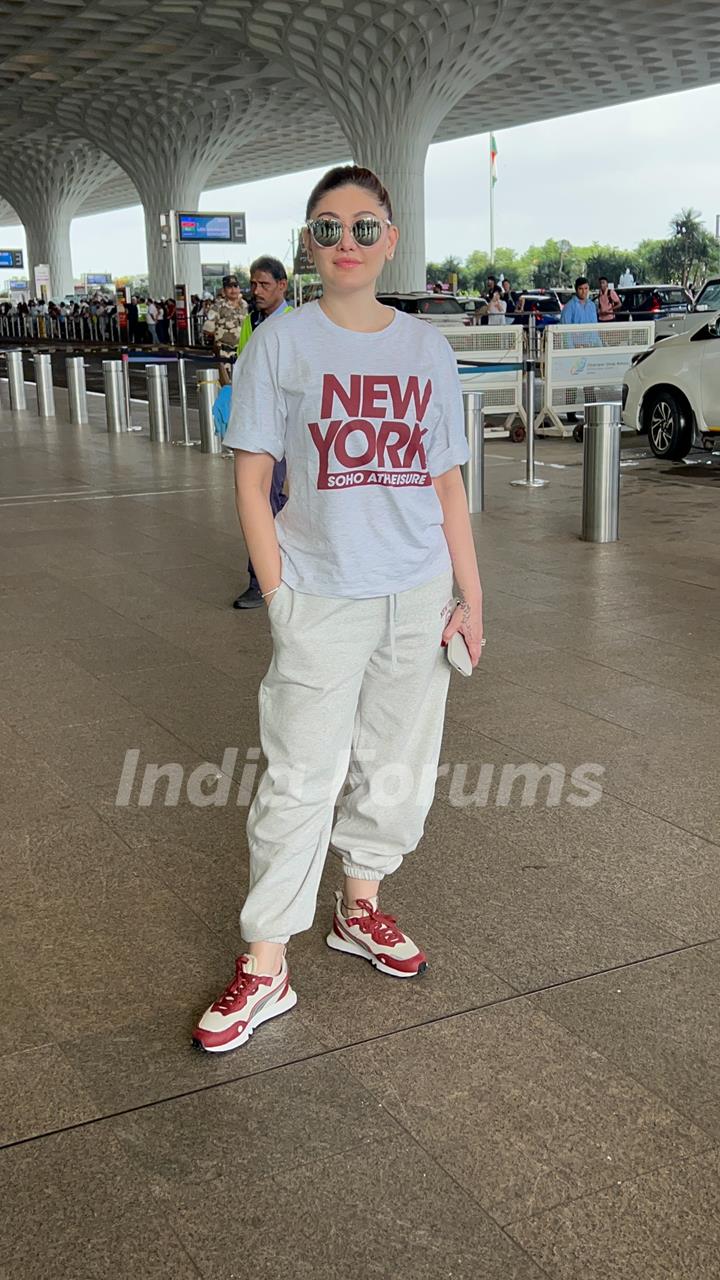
x: 458, y: 655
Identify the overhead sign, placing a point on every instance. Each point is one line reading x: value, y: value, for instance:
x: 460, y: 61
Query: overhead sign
x: 19, y: 286
x: 204, y: 228
x: 99, y: 278
x: 12, y: 258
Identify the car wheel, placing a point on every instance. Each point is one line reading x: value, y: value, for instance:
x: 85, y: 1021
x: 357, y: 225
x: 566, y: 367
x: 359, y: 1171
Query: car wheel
x: 669, y: 426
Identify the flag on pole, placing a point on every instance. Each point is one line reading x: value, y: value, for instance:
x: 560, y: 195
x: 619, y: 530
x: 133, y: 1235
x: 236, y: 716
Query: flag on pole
x: 493, y: 159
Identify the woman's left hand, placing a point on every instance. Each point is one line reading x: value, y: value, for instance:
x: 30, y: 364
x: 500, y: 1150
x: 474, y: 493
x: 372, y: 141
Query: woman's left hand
x: 467, y: 619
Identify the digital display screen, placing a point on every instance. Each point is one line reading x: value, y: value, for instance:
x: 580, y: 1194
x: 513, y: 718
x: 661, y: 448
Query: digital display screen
x: 198, y: 226
x: 11, y: 258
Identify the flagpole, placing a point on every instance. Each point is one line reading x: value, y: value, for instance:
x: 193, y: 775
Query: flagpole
x: 492, y: 203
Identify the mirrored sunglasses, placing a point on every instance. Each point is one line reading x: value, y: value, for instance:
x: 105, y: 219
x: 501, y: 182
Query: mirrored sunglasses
x: 328, y: 232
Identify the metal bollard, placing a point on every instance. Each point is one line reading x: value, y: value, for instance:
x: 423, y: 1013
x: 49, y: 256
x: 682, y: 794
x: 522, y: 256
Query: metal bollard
x: 115, y: 410
x: 16, y: 380
x: 158, y: 402
x: 77, y: 392
x: 208, y: 386
x: 474, y: 468
x: 182, y: 390
x: 531, y: 481
x: 601, y: 473
x: 44, y: 385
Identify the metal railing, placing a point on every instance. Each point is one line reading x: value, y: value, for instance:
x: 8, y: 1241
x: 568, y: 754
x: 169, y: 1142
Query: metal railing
x: 97, y: 329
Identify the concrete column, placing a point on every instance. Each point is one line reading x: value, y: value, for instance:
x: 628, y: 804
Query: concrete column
x: 390, y: 74
x: 47, y: 182
x: 170, y: 145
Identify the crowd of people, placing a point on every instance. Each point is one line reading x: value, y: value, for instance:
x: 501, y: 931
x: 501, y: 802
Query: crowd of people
x: 96, y: 318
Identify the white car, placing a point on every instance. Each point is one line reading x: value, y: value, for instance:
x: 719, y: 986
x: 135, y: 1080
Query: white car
x: 708, y: 299
x: 672, y: 391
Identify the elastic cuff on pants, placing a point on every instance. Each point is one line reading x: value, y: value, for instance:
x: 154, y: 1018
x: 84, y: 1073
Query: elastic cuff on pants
x: 281, y: 942
x: 362, y: 873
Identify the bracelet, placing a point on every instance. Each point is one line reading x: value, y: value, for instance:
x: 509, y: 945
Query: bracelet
x: 265, y: 594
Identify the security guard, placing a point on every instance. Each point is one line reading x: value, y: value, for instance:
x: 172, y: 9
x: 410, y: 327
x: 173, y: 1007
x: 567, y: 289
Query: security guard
x: 268, y: 286
x: 225, y: 318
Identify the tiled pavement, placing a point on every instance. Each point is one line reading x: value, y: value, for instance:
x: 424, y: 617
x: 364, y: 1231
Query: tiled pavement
x: 546, y: 1101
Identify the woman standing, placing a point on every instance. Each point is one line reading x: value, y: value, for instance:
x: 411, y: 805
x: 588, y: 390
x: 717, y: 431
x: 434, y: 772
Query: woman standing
x: 364, y: 402
x: 497, y: 306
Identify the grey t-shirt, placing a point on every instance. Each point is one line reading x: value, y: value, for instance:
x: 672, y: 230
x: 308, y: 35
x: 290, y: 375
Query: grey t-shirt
x: 364, y: 421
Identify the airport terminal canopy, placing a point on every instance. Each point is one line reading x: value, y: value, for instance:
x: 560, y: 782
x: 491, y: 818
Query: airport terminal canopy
x: 107, y: 102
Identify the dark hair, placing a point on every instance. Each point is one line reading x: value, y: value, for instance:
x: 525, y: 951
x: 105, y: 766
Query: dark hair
x: 349, y: 175
x: 601, y: 278
x: 273, y: 266
x: 581, y: 280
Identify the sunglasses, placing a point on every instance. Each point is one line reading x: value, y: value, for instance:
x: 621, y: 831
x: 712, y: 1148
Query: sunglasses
x: 327, y: 232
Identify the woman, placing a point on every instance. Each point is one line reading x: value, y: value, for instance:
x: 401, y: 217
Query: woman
x: 364, y: 402
x: 497, y: 306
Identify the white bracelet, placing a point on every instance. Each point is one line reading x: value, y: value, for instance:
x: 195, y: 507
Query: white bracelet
x: 265, y: 594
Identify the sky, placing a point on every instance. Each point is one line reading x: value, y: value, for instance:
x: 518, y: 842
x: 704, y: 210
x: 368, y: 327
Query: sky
x: 616, y: 175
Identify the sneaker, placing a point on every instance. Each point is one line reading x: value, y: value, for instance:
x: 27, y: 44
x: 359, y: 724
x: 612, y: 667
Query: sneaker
x: 250, y: 599
x: 249, y: 1000
x: 377, y: 938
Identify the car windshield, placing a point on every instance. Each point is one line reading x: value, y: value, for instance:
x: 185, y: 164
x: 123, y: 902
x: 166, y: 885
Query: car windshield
x: 710, y: 296
x: 439, y: 306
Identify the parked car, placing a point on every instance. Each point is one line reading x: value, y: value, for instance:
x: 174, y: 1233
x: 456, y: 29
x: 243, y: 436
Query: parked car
x: 695, y: 314
x: 438, y: 308
x: 672, y: 391
x: 545, y: 303
x: 654, y: 302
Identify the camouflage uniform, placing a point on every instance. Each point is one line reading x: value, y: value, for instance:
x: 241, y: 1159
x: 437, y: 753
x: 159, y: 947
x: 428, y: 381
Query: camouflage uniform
x: 223, y: 324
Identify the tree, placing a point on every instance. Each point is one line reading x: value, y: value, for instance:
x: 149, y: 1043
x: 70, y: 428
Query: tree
x: 243, y: 276
x: 689, y: 253
x: 609, y: 261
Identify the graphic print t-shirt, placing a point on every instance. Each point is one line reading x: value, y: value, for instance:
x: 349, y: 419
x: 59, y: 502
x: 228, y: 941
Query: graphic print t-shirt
x: 365, y: 420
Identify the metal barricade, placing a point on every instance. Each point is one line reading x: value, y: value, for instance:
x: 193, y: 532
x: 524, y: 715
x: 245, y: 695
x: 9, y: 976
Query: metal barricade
x: 44, y: 385
x: 115, y: 411
x: 500, y: 347
x: 208, y: 386
x: 158, y: 403
x: 77, y: 391
x: 586, y: 363
x: 474, y: 468
x: 601, y: 473
x: 16, y: 380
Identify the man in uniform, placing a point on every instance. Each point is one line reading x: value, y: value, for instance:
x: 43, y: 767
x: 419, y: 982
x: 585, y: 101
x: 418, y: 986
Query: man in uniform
x: 268, y: 286
x: 224, y: 320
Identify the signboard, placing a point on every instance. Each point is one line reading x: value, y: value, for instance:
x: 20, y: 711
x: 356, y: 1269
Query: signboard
x: 100, y: 278
x: 181, y: 314
x: 42, y: 280
x: 12, y: 258
x: 19, y: 286
x: 602, y: 367
x: 205, y: 228
x: 303, y: 264
x: 212, y: 275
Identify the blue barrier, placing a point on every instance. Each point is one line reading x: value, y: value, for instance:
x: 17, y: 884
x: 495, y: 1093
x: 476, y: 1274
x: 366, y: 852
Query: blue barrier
x: 509, y: 367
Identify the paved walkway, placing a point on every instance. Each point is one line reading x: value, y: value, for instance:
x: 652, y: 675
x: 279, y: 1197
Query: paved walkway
x: 545, y: 1102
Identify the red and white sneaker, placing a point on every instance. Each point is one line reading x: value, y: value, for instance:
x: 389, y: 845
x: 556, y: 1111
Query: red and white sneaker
x: 249, y: 1000
x: 377, y: 938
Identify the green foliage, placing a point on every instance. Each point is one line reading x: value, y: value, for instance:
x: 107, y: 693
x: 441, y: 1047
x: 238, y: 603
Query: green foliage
x: 687, y: 256
x: 243, y: 276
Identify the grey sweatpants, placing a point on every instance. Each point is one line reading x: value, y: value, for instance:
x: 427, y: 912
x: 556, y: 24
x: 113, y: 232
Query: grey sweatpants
x: 355, y: 695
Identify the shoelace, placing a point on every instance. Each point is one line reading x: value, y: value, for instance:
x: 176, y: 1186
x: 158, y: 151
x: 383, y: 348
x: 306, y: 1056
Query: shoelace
x: 243, y: 985
x: 381, y: 927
